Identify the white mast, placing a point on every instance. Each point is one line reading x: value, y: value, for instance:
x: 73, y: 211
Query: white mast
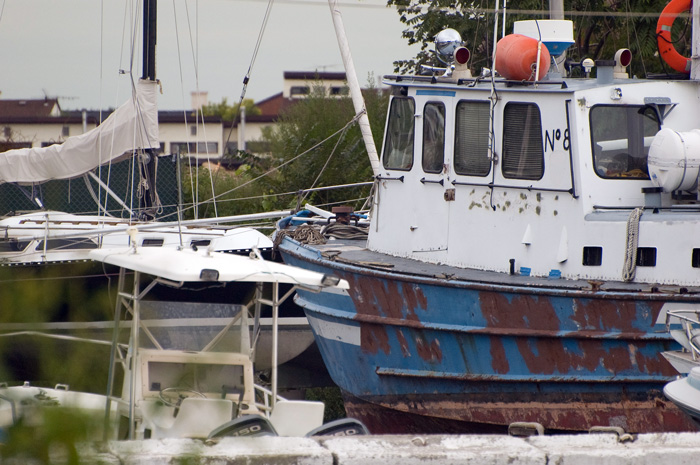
x: 355, y: 92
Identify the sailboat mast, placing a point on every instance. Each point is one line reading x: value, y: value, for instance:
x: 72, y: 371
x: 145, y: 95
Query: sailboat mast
x: 149, y: 39
x: 354, y: 85
x: 148, y: 162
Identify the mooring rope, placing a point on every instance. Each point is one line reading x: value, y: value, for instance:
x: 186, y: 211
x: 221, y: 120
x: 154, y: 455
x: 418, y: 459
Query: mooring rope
x: 344, y: 231
x: 306, y: 234
x: 630, y: 267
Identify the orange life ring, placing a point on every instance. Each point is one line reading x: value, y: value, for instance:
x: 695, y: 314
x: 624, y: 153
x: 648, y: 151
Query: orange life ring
x: 663, y: 35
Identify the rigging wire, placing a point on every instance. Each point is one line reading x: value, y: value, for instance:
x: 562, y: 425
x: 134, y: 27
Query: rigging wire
x: 328, y: 160
x: 636, y: 39
x: 193, y: 179
x: 277, y: 168
x: 246, y: 79
x: 99, y: 155
x: 266, y: 18
x: 128, y: 19
x: 199, y: 114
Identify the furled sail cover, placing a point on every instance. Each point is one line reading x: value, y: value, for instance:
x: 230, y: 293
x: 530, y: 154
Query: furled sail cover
x: 132, y: 126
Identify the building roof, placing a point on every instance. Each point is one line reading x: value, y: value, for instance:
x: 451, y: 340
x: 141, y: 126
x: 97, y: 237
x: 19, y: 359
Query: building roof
x: 314, y: 75
x: 273, y: 106
x: 30, y: 108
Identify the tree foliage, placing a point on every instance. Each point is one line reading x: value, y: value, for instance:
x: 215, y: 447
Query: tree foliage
x: 302, y: 129
x: 600, y: 28
x: 229, y: 112
x: 341, y: 159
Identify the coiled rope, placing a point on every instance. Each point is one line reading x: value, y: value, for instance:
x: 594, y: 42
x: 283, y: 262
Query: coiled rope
x: 344, y: 231
x: 630, y: 267
x: 309, y: 234
x: 306, y: 234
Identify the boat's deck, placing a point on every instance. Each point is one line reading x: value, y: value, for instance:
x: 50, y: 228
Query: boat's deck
x: 355, y: 253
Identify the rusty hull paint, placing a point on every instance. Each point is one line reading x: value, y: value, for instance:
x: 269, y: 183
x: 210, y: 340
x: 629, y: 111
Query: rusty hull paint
x: 560, y: 335
x: 458, y: 415
x: 395, y: 300
x: 549, y: 356
x: 401, y: 303
x: 522, y: 311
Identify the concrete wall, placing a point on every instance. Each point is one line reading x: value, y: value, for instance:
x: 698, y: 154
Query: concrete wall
x: 36, y: 134
x: 676, y: 449
x: 192, y: 133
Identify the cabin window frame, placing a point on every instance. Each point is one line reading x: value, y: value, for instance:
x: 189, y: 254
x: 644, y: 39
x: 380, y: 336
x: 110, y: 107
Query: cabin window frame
x: 433, y: 150
x: 522, y: 145
x: 406, y: 136
x: 475, y: 129
x: 625, y: 161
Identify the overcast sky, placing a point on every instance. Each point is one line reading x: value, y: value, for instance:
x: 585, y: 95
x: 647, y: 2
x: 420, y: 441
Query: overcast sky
x: 74, y: 49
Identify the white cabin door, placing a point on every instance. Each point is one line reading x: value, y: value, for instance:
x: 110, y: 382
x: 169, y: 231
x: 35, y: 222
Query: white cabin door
x: 431, y: 182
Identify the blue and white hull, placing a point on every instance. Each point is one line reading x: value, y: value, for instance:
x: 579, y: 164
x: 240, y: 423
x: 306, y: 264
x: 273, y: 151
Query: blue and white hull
x: 466, y: 356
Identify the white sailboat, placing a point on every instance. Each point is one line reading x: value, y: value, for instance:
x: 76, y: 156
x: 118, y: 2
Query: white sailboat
x: 210, y: 370
x: 188, y: 372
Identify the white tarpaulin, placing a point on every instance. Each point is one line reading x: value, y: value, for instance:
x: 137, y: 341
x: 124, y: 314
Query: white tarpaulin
x: 133, y: 125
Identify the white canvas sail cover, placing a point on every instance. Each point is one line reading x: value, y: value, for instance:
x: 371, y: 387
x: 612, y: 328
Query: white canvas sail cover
x: 132, y: 126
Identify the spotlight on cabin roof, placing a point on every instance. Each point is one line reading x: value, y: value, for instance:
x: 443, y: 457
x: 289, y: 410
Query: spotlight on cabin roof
x: 446, y: 42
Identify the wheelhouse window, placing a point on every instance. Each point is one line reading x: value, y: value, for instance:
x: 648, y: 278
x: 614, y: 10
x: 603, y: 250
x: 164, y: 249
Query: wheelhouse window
x: 620, y: 137
x: 523, y: 154
x: 433, y: 137
x: 398, y: 146
x: 472, y: 139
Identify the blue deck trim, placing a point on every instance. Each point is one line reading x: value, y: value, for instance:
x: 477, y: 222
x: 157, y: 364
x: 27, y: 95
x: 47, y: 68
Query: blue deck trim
x: 439, y: 93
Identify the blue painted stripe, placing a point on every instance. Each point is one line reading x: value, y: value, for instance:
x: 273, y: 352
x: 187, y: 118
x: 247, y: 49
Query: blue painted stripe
x: 442, y: 93
x: 519, y: 378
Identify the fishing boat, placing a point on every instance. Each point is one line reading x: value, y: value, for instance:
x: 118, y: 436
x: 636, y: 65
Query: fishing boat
x: 528, y: 234
x: 186, y: 371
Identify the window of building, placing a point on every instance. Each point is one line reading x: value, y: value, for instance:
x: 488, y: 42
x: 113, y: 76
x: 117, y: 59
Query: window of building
x: 7, y: 131
x: 620, y: 138
x: 300, y: 90
x: 258, y: 146
x: 340, y: 90
x: 433, y: 137
x: 398, y: 145
x: 65, y: 131
x: 523, y: 155
x: 472, y: 138
x: 193, y: 130
x: 5, y: 146
x: 211, y: 148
